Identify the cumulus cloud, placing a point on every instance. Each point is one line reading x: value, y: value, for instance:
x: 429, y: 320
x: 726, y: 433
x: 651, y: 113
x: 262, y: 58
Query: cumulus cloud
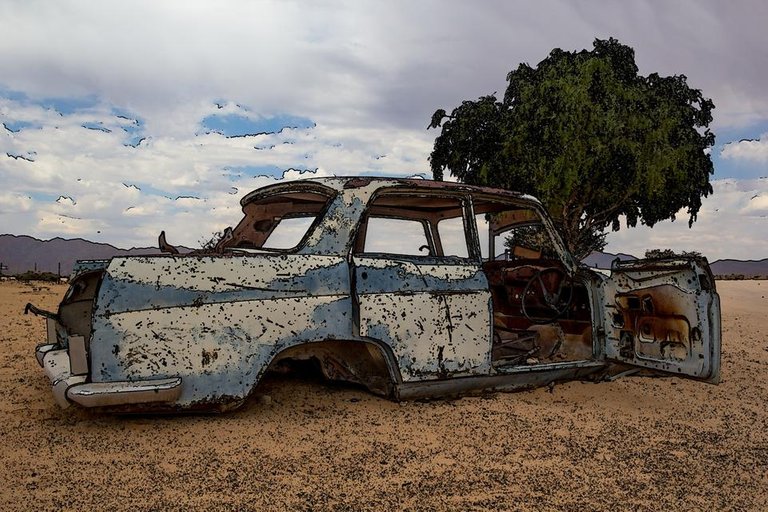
x: 11, y: 202
x: 81, y: 175
x: 750, y: 150
x: 757, y: 206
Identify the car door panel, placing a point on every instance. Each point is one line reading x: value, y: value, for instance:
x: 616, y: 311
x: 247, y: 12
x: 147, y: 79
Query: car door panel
x: 435, y: 318
x: 664, y: 315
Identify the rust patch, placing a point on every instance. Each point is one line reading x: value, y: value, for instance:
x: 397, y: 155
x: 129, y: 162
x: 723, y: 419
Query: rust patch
x: 209, y: 356
x: 357, y: 183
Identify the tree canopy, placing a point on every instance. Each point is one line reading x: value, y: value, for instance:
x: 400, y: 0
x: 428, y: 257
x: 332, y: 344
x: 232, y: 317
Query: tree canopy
x: 588, y: 136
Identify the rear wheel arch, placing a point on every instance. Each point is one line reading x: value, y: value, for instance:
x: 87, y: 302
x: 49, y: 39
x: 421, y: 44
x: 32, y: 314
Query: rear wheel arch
x: 364, y: 362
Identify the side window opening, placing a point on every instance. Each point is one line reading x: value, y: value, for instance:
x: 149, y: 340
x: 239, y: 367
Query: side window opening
x: 453, y: 237
x: 414, y: 224
x: 277, y: 221
x: 527, y: 241
x: 396, y: 236
x: 481, y: 219
x: 512, y: 233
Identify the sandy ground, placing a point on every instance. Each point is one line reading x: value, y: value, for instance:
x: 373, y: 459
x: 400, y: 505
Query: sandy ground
x: 633, y: 444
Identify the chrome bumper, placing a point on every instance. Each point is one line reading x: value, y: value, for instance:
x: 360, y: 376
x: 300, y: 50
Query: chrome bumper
x: 69, y: 388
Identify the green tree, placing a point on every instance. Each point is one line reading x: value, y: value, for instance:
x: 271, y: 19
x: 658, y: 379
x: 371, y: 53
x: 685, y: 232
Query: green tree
x: 588, y: 136
x: 658, y: 254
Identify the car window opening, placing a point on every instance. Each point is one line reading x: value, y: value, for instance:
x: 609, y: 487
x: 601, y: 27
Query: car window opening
x: 414, y: 225
x: 277, y: 221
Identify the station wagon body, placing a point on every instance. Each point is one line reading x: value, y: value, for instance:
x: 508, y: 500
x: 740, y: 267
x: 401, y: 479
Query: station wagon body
x: 411, y: 288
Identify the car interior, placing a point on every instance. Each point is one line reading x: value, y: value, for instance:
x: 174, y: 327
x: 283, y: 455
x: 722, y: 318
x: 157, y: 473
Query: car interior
x: 541, y: 311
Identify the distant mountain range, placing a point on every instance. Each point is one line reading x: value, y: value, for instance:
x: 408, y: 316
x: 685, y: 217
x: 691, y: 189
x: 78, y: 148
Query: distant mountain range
x: 749, y: 269
x: 20, y: 253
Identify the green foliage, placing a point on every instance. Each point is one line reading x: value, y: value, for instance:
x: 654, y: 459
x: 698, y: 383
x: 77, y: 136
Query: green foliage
x: 588, y: 136
x: 658, y: 254
x: 531, y: 237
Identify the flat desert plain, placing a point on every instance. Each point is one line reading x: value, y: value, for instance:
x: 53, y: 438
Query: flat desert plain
x: 632, y: 444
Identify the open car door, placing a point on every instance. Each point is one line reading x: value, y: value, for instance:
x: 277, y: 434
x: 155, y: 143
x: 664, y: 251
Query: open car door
x: 664, y: 315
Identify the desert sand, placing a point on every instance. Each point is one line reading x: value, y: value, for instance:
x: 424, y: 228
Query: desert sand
x: 633, y: 444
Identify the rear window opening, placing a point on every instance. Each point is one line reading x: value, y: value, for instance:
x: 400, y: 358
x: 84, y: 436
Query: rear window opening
x: 278, y: 221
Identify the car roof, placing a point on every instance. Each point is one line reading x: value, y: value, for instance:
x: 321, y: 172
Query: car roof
x: 357, y: 182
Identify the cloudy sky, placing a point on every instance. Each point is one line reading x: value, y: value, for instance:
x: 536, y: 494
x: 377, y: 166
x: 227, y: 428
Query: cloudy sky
x: 120, y: 118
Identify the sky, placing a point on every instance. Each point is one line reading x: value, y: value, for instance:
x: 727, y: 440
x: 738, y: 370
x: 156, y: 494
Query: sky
x: 121, y: 119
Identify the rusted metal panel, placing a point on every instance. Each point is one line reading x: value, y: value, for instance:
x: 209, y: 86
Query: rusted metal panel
x: 78, y: 357
x: 416, y: 328
x: 471, y: 337
x: 50, y: 327
x: 157, y: 281
x: 663, y: 315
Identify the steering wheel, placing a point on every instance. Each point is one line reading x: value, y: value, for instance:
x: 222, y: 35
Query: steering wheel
x: 551, y: 290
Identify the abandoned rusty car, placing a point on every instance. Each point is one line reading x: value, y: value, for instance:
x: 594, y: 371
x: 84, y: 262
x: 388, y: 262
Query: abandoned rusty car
x: 410, y: 288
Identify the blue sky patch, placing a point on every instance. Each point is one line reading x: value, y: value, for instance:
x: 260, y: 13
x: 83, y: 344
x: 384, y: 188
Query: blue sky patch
x: 62, y: 105
x: 129, y: 122
x: 17, y: 126
x: 132, y: 125
x: 13, y: 95
x: 135, y: 133
x: 96, y: 126
x: 44, y: 198
x: 68, y: 106
x: 149, y: 190
x: 238, y: 125
x: 732, y: 167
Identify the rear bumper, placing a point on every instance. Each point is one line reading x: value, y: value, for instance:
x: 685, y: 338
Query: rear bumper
x: 55, y: 363
x: 69, y: 388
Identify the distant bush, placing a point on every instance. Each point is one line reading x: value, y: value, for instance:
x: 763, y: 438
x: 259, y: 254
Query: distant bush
x: 210, y: 244
x: 657, y: 254
x: 38, y: 276
x: 739, y: 277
